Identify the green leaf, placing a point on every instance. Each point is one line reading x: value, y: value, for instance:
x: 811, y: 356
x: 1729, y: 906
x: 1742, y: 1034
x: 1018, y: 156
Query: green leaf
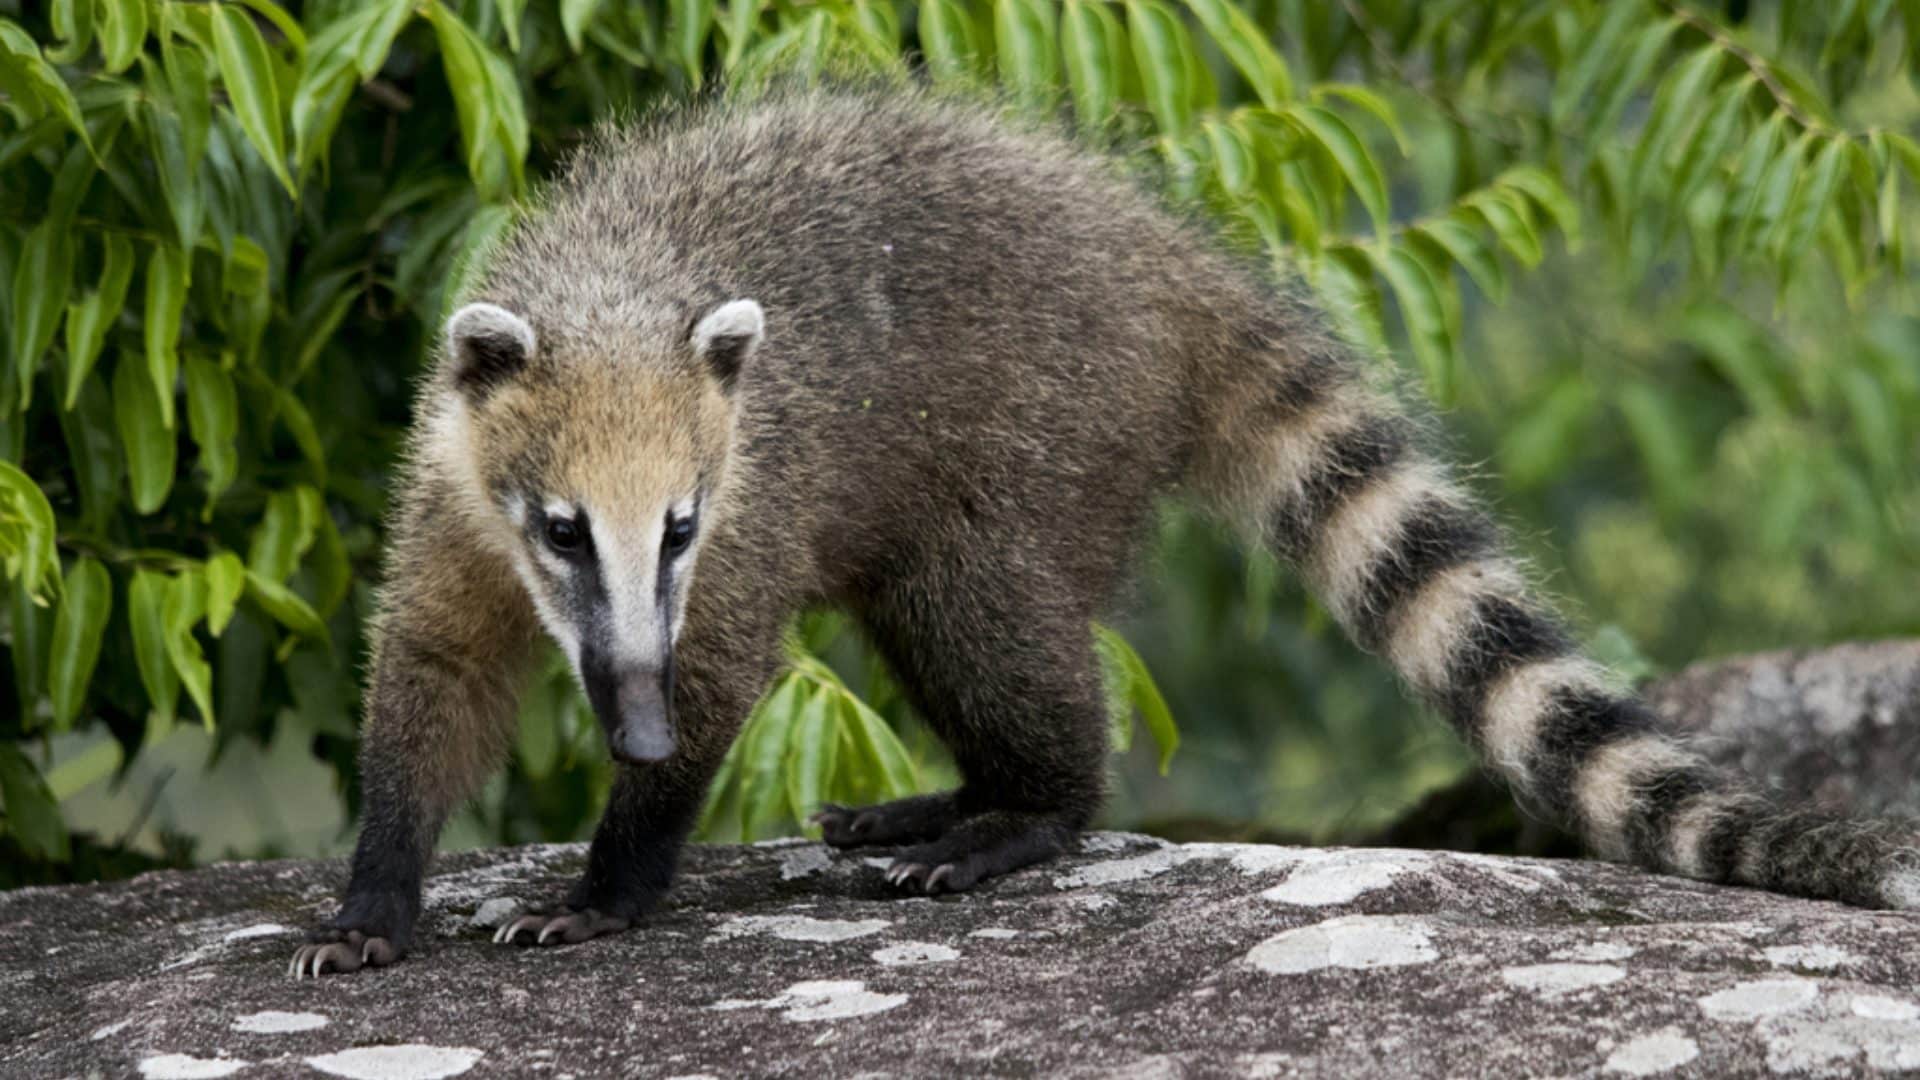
x: 286, y: 607
x: 1141, y: 691
x: 84, y: 769
x: 146, y: 619
x: 72, y: 24
x: 1344, y: 280
x: 1372, y: 103
x: 1812, y: 197
x: 33, y: 817
x: 41, y: 281
x: 1023, y: 32
x: 226, y: 579
x: 213, y: 416
x: 246, y: 70
x: 759, y: 752
x: 24, y: 68
x: 875, y: 741
x: 1333, y: 135
x: 1246, y: 45
x: 285, y: 534
x: 86, y: 600
x: 486, y: 95
x: 167, y: 273
x: 191, y: 93
x: 185, y: 606
x: 30, y: 644
x: 1648, y: 46
x: 1507, y: 216
x: 689, y: 22
x: 149, y: 446
x: 1087, y: 31
x: 26, y: 531
x: 179, y: 180
x: 1462, y: 244
x: 1424, y: 312
x: 1674, y: 105
x: 1164, y: 56
x: 1545, y: 189
x: 1233, y: 159
x: 1571, y: 86
x: 574, y: 17
x: 812, y: 754
x: 94, y: 314
x: 1711, y: 140
x: 947, y: 36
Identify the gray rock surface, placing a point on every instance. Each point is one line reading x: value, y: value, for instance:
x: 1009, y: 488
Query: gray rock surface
x: 1130, y: 958
x: 1837, y: 726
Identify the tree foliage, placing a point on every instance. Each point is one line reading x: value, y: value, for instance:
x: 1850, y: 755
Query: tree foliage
x: 1653, y: 253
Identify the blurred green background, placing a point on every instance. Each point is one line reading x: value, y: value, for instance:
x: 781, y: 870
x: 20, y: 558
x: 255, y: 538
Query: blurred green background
x: 1648, y: 259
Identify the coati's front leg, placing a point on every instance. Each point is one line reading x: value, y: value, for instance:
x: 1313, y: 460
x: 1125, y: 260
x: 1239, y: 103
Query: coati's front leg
x: 450, y: 652
x: 726, y: 655
x: 632, y: 859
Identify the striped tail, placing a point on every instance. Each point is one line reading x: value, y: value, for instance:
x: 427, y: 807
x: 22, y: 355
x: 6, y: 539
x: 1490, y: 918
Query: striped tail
x: 1417, y: 572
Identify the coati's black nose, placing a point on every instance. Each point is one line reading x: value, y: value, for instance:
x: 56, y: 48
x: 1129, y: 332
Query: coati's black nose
x: 642, y: 730
x: 635, y: 707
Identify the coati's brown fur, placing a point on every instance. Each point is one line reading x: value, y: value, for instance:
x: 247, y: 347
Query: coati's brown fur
x: 986, y: 356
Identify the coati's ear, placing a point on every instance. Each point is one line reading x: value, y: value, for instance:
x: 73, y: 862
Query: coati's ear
x: 726, y: 336
x: 489, y: 345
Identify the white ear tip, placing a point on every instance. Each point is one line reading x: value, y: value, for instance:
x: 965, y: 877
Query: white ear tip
x: 740, y: 319
x: 489, y: 320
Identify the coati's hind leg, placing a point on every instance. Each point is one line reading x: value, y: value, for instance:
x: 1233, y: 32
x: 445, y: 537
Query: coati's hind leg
x: 1002, y: 667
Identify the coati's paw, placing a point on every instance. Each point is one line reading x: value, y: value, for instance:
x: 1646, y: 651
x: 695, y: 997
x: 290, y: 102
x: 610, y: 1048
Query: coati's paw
x: 342, y: 951
x: 923, y: 817
x: 918, y: 877
x: 977, y: 848
x: 563, y: 926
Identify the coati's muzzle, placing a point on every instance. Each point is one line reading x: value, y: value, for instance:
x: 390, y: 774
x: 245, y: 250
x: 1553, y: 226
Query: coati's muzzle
x: 634, y: 704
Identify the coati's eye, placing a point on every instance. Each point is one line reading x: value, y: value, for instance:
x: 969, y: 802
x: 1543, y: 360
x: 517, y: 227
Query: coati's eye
x: 679, y: 534
x: 563, y: 535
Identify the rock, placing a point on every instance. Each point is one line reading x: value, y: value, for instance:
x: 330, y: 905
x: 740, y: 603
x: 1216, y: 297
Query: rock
x: 1132, y: 957
x: 1837, y: 729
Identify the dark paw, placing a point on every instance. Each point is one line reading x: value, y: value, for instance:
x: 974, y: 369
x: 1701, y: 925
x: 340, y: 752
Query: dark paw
x: 342, y: 951
x: 846, y: 826
x: 931, y: 880
x: 903, y: 821
x: 562, y: 927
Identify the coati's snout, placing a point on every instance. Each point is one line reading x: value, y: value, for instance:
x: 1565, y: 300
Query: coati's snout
x: 601, y: 466
x: 634, y: 704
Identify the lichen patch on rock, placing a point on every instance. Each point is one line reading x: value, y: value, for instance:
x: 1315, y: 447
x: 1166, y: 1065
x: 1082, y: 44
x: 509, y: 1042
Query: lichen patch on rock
x: 799, y: 928
x: 273, y: 1022
x: 1353, y: 941
x: 1758, y: 998
x: 409, y: 1061
x: 1553, y: 980
x: 1649, y: 1055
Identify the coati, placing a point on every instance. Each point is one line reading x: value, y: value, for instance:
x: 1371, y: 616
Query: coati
x: 889, y: 352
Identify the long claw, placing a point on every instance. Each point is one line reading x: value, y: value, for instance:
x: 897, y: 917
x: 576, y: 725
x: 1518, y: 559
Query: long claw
x: 939, y: 876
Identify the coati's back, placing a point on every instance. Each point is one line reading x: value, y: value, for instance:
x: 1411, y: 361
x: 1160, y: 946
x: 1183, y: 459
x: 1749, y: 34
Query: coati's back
x: 960, y: 311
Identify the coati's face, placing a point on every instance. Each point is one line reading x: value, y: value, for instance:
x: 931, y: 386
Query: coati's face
x: 598, y: 469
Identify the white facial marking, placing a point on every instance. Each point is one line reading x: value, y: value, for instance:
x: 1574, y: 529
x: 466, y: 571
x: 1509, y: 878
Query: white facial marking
x: 628, y: 566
